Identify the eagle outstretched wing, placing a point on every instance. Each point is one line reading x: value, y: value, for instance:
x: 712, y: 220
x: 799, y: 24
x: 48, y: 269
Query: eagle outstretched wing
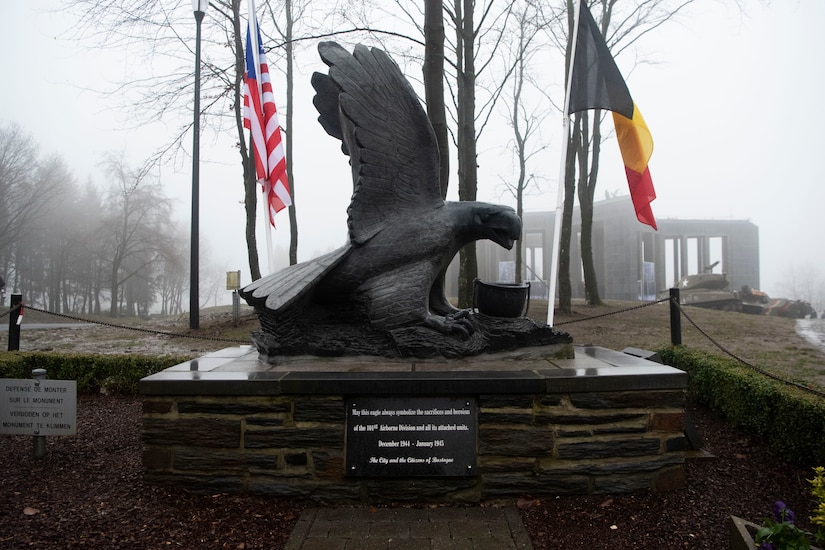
x: 366, y: 102
x: 282, y: 288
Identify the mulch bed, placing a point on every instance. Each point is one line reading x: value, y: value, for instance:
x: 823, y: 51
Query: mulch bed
x: 743, y: 479
x: 89, y: 492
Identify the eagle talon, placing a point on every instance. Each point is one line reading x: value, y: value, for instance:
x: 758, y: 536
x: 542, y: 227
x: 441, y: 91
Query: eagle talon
x: 458, y: 314
x: 449, y: 324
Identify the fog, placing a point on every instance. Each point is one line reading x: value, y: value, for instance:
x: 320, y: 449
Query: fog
x: 732, y: 102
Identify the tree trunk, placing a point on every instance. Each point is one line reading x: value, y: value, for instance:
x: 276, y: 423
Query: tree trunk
x: 520, y: 147
x: 565, y: 288
x: 290, y: 55
x: 249, y: 181
x: 467, y: 169
x: 96, y: 296
x: 251, y: 205
x: 130, y: 301
x: 587, y: 189
x: 114, y: 285
x: 433, y: 70
x: 522, y: 181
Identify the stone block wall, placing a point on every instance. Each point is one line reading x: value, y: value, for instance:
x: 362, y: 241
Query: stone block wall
x: 542, y: 444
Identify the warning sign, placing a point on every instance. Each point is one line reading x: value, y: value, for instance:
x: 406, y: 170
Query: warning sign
x: 38, y: 407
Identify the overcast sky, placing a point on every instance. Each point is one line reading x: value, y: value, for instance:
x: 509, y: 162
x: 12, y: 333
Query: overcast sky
x: 733, y: 103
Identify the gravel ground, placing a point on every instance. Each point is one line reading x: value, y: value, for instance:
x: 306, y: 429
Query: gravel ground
x: 88, y: 492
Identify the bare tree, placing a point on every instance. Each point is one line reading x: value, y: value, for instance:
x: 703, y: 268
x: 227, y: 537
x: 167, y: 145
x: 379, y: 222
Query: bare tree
x: 433, y: 71
x: 58, y: 235
x: 475, y: 78
x: 289, y: 46
x: 622, y: 25
x: 26, y: 186
x: 161, y: 34
x: 524, y: 117
x: 134, y: 229
x: 60, y: 252
x: 475, y: 48
x: 463, y: 21
x: 285, y: 20
x: 172, y: 282
x: 231, y: 12
x: 158, y: 38
x: 36, y: 195
x: 805, y: 282
x: 89, y: 268
x: 565, y: 286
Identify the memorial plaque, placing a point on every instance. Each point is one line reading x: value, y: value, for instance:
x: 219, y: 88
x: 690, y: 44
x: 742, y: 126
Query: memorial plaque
x: 38, y: 407
x: 411, y: 436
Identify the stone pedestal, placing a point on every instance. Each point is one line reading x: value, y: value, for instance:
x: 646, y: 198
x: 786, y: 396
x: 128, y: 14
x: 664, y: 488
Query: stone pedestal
x: 550, y: 421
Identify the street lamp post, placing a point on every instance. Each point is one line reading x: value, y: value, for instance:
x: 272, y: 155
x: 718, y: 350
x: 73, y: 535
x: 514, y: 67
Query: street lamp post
x: 199, y: 6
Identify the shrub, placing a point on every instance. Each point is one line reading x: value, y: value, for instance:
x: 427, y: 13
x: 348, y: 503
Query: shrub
x: 117, y: 373
x: 791, y: 419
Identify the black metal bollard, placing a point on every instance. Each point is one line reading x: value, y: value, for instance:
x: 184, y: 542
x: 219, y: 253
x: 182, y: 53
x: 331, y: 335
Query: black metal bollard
x: 14, y: 328
x: 675, y: 318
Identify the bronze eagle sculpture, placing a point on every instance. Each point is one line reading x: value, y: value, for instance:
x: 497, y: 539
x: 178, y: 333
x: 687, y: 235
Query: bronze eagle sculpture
x: 382, y: 293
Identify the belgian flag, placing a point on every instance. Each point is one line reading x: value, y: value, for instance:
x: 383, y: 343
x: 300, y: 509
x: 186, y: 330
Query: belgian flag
x: 596, y: 83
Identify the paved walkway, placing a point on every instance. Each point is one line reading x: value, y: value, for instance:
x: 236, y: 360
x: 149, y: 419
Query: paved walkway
x: 409, y: 529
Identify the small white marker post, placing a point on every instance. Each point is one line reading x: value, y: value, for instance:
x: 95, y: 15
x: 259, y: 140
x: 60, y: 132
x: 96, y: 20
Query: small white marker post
x: 39, y: 446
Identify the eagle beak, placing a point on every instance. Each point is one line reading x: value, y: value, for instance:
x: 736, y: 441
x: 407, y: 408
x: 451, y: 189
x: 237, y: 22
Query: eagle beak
x: 506, y: 228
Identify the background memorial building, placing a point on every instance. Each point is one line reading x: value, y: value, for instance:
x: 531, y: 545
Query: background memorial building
x: 633, y: 262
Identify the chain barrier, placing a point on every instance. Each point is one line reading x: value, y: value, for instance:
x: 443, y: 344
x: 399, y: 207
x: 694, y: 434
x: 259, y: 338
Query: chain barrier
x: 126, y: 327
x: 706, y: 335
x: 646, y: 304
x: 744, y: 362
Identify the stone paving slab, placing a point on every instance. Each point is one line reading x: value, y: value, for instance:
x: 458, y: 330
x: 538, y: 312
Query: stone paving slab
x: 439, y: 528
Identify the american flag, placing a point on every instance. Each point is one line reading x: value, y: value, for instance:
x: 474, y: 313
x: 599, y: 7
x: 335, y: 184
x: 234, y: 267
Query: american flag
x: 270, y: 162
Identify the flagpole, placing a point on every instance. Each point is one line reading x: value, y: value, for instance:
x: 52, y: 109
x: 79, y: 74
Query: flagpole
x: 256, y: 57
x: 554, y: 260
x: 253, y: 37
x: 268, y: 224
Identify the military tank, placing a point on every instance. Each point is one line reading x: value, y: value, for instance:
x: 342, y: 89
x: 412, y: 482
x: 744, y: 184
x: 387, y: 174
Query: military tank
x: 712, y: 291
x: 758, y: 302
x: 794, y: 309
x: 708, y: 290
x: 753, y: 301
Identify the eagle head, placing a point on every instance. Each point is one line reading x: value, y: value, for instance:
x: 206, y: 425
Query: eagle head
x: 498, y: 223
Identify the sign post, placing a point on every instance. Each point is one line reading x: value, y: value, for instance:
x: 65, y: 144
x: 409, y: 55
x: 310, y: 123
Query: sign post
x: 233, y: 283
x: 39, y: 441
